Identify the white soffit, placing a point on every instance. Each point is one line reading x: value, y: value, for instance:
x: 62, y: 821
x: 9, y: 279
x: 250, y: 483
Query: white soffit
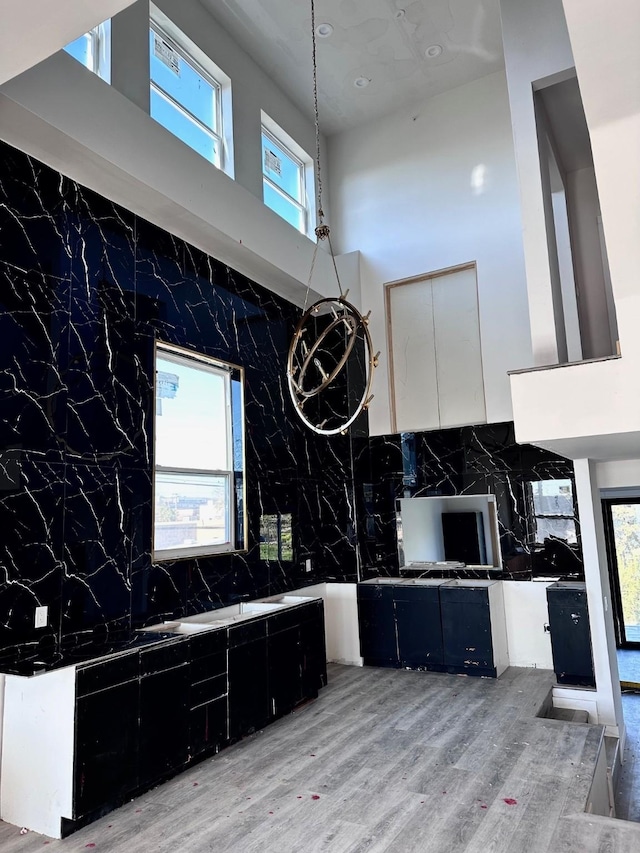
x: 383, y: 41
x: 32, y: 30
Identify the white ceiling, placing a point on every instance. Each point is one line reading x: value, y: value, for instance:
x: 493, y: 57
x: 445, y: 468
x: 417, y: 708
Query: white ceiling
x: 381, y: 40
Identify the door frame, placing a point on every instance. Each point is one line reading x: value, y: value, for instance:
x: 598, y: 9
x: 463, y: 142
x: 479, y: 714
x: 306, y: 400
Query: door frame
x: 614, y: 578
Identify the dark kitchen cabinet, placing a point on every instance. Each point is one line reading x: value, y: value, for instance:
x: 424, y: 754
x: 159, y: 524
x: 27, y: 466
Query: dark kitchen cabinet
x: 248, y: 678
x: 424, y: 623
x: 106, y: 737
x: 285, y: 670
x: 466, y: 627
x: 570, y: 634
x: 208, y: 693
x: 143, y: 715
x: 164, y: 712
x: 419, y: 625
x: 314, y: 654
x: 377, y: 624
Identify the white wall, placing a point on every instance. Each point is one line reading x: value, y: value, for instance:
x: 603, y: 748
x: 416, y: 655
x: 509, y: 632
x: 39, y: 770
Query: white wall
x: 619, y: 474
x: 537, y: 47
x: 433, y: 187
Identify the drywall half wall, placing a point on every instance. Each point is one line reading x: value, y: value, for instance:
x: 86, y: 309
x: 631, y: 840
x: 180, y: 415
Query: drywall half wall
x: 430, y: 188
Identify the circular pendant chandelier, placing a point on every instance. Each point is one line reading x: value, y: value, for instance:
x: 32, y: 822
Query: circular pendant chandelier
x: 331, y: 362
x: 330, y: 366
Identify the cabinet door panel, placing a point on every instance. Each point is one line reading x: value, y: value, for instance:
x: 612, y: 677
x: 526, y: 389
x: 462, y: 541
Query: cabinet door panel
x: 314, y: 654
x: 419, y: 628
x: 106, y: 748
x: 457, y: 344
x: 570, y: 637
x: 413, y: 356
x: 285, y: 671
x: 466, y: 630
x: 376, y: 619
x: 164, y: 723
x: 248, y: 687
x: 209, y: 727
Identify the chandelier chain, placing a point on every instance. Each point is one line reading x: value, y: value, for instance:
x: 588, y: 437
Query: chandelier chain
x: 316, y: 113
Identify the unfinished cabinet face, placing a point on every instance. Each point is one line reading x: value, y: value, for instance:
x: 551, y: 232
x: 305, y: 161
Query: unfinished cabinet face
x: 435, y: 355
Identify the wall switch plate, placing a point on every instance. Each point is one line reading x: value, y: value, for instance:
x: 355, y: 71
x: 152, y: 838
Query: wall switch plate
x: 307, y: 565
x: 42, y: 617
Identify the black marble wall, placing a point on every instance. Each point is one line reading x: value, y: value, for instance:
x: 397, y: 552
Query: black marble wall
x: 85, y: 289
x: 469, y: 460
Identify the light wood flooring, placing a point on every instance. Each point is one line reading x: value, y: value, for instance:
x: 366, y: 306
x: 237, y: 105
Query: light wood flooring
x: 384, y: 760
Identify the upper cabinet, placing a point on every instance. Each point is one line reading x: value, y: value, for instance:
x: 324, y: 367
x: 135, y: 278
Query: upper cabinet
x: 435, y: 359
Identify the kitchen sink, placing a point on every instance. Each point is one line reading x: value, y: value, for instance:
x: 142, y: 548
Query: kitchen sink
x: 178, y: 628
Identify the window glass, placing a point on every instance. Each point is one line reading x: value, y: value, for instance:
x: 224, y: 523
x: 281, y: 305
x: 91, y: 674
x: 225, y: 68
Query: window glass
x: 191, y: 510
x: 184, y: 99
x: 175, y: 76
x: 191, y: 416
x: 283, y: 207
x: 281, y: 168
x: 287, y: 177
x: 179, y: 123
x: 93, y: 50
x: 198, y: 468
x: 80, y: 49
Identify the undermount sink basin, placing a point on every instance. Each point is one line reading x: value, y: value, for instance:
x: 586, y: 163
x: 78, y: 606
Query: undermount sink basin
x: 376, y: 581
x: 260, y: 606
x: 288, y: 599
x: 179, y: 628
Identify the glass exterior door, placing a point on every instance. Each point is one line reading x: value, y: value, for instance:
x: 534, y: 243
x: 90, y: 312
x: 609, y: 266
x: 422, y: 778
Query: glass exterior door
x: 622, y: 519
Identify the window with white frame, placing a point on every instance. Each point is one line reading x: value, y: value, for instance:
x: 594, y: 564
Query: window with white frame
x: 287, y: 177
x: 93, y: 50
x: 186, y: 97
x: 198, y: 480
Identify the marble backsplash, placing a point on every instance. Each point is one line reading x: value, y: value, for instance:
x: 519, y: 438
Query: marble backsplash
x: 86, y: 288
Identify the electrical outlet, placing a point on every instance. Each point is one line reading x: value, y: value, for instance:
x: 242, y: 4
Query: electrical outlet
x: 307, y: 564
x: 42, y: 617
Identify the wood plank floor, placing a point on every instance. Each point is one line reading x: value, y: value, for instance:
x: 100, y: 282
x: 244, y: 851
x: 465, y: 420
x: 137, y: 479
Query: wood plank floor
x: 384, y: 760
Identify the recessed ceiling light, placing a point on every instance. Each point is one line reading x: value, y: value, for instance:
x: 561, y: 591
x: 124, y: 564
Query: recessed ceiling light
x: 324, y: 30
x: 400, y: 13
x: 433, y: 50
x: 361, y: 82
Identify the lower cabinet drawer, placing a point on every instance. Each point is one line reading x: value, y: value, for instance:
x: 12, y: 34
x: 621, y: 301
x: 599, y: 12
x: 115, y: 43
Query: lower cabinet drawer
x: 208, y: 727
x: 206, y: 691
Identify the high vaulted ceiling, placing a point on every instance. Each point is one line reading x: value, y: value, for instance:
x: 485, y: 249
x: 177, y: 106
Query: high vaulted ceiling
x: 385, y: 42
